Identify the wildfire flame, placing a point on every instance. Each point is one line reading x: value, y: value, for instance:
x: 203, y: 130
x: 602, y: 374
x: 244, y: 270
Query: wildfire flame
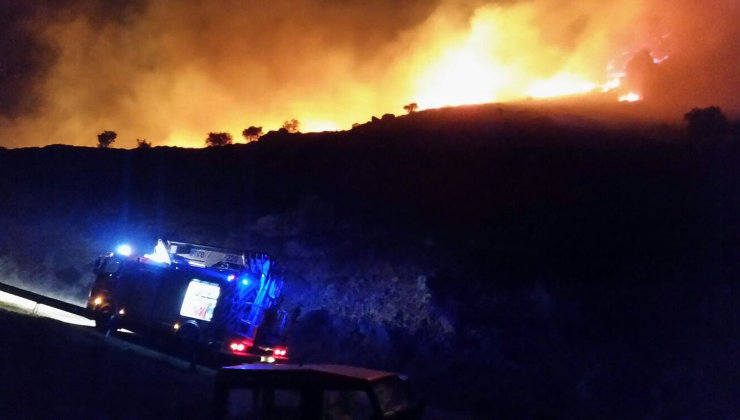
x: 171, y: 75
x: 630, y: 97
x: 565, y: 84
x: 460, y: 77
x: 493, y: 62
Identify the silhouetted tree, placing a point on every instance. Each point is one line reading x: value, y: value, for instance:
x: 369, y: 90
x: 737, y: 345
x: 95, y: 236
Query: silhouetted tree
x: 707, y: 122
x: 218, y: 139
x: 106, y: 138
x: 143, y: 144
x: 252, y: 133
x: 292, y: 126
x: 411, y: 108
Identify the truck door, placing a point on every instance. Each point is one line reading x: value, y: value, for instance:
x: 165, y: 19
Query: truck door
x: 136, y: 291
x: 170, y: 296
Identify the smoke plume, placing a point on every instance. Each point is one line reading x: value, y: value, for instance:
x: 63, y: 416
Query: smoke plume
x: 172, y: 71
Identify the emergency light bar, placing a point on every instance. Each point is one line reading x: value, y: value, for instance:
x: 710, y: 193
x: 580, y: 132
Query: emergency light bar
x: 124, y: 250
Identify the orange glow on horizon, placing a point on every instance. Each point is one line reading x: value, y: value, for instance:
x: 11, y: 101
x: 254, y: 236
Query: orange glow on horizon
x: 180, y: 73
x: 316, y: 126
x: 560, y: 85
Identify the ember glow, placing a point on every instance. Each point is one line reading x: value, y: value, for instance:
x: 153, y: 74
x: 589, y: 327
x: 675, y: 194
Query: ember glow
x: 560, y: 85
x: 630, y: 97
x: 171, y: 72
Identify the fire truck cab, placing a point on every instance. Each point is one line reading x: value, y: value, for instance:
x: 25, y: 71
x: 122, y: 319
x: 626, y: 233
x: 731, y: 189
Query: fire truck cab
x: 218, y: 298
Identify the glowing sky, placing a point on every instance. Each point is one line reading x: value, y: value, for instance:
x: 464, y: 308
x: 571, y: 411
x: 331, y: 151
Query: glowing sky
x: 171, y: 71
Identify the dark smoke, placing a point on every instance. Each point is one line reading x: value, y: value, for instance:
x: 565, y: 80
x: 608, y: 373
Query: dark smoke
x: 25, y: 59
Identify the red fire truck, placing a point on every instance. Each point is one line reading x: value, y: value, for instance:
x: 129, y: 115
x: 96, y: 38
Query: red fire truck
x: 205, y: 297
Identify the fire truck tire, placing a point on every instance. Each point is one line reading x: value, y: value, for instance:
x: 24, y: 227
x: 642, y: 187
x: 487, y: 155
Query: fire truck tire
x: 188, y: 339
x: 189, y: 335
x: 103, y: 320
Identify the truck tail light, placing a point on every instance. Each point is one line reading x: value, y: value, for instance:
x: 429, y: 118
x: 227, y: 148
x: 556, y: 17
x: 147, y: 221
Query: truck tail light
x: 239, y: 346
x: 280, y: 352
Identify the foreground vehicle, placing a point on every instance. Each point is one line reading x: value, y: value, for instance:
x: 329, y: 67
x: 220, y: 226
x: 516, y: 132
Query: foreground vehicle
x: 312, y: 392
x: 220, y: 299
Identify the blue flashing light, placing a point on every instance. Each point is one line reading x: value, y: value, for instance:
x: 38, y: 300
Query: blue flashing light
x: 231, y: 277
x: 124, y: 250
x: 245, y: 282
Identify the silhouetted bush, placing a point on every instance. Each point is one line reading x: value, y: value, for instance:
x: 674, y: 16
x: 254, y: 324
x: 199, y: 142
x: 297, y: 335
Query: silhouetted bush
x: 707, y: 123
x: 252, y: 133
x: 411, y: 108
x: 218, y: 139
x: 106, y: 138
x: 292, y: 126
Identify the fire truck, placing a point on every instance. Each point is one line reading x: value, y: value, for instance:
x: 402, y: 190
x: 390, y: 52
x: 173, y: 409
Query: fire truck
x: 202, y: 296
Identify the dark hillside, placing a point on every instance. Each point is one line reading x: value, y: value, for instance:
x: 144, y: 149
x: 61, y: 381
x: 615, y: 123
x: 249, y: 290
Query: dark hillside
x: 517, y: 261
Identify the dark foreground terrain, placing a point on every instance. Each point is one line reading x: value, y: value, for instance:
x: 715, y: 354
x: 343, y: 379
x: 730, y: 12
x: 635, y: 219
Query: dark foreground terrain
x: 516, y: 261
x: 51, y: 370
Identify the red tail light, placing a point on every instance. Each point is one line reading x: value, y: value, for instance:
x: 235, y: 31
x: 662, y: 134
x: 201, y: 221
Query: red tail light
x: 239, y: 346
x: 280, y: 352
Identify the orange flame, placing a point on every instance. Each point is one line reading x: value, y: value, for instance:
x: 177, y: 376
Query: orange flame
x: 560, y: 85
x: 630, y: 97
x: 503, y: 57
x: 180, y: 73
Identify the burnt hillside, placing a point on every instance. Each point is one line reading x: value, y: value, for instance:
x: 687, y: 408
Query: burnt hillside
x: 559, y: 254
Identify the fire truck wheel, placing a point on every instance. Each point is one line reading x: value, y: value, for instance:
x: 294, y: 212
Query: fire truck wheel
x: 188, y: 336
x: 103, y: 320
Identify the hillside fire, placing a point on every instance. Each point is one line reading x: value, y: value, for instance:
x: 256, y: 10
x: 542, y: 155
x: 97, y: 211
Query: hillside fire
x: 335, y: 64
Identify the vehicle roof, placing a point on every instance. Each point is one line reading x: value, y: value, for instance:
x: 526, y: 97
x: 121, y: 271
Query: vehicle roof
x: 135, y: 264
x: 326, y: 374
